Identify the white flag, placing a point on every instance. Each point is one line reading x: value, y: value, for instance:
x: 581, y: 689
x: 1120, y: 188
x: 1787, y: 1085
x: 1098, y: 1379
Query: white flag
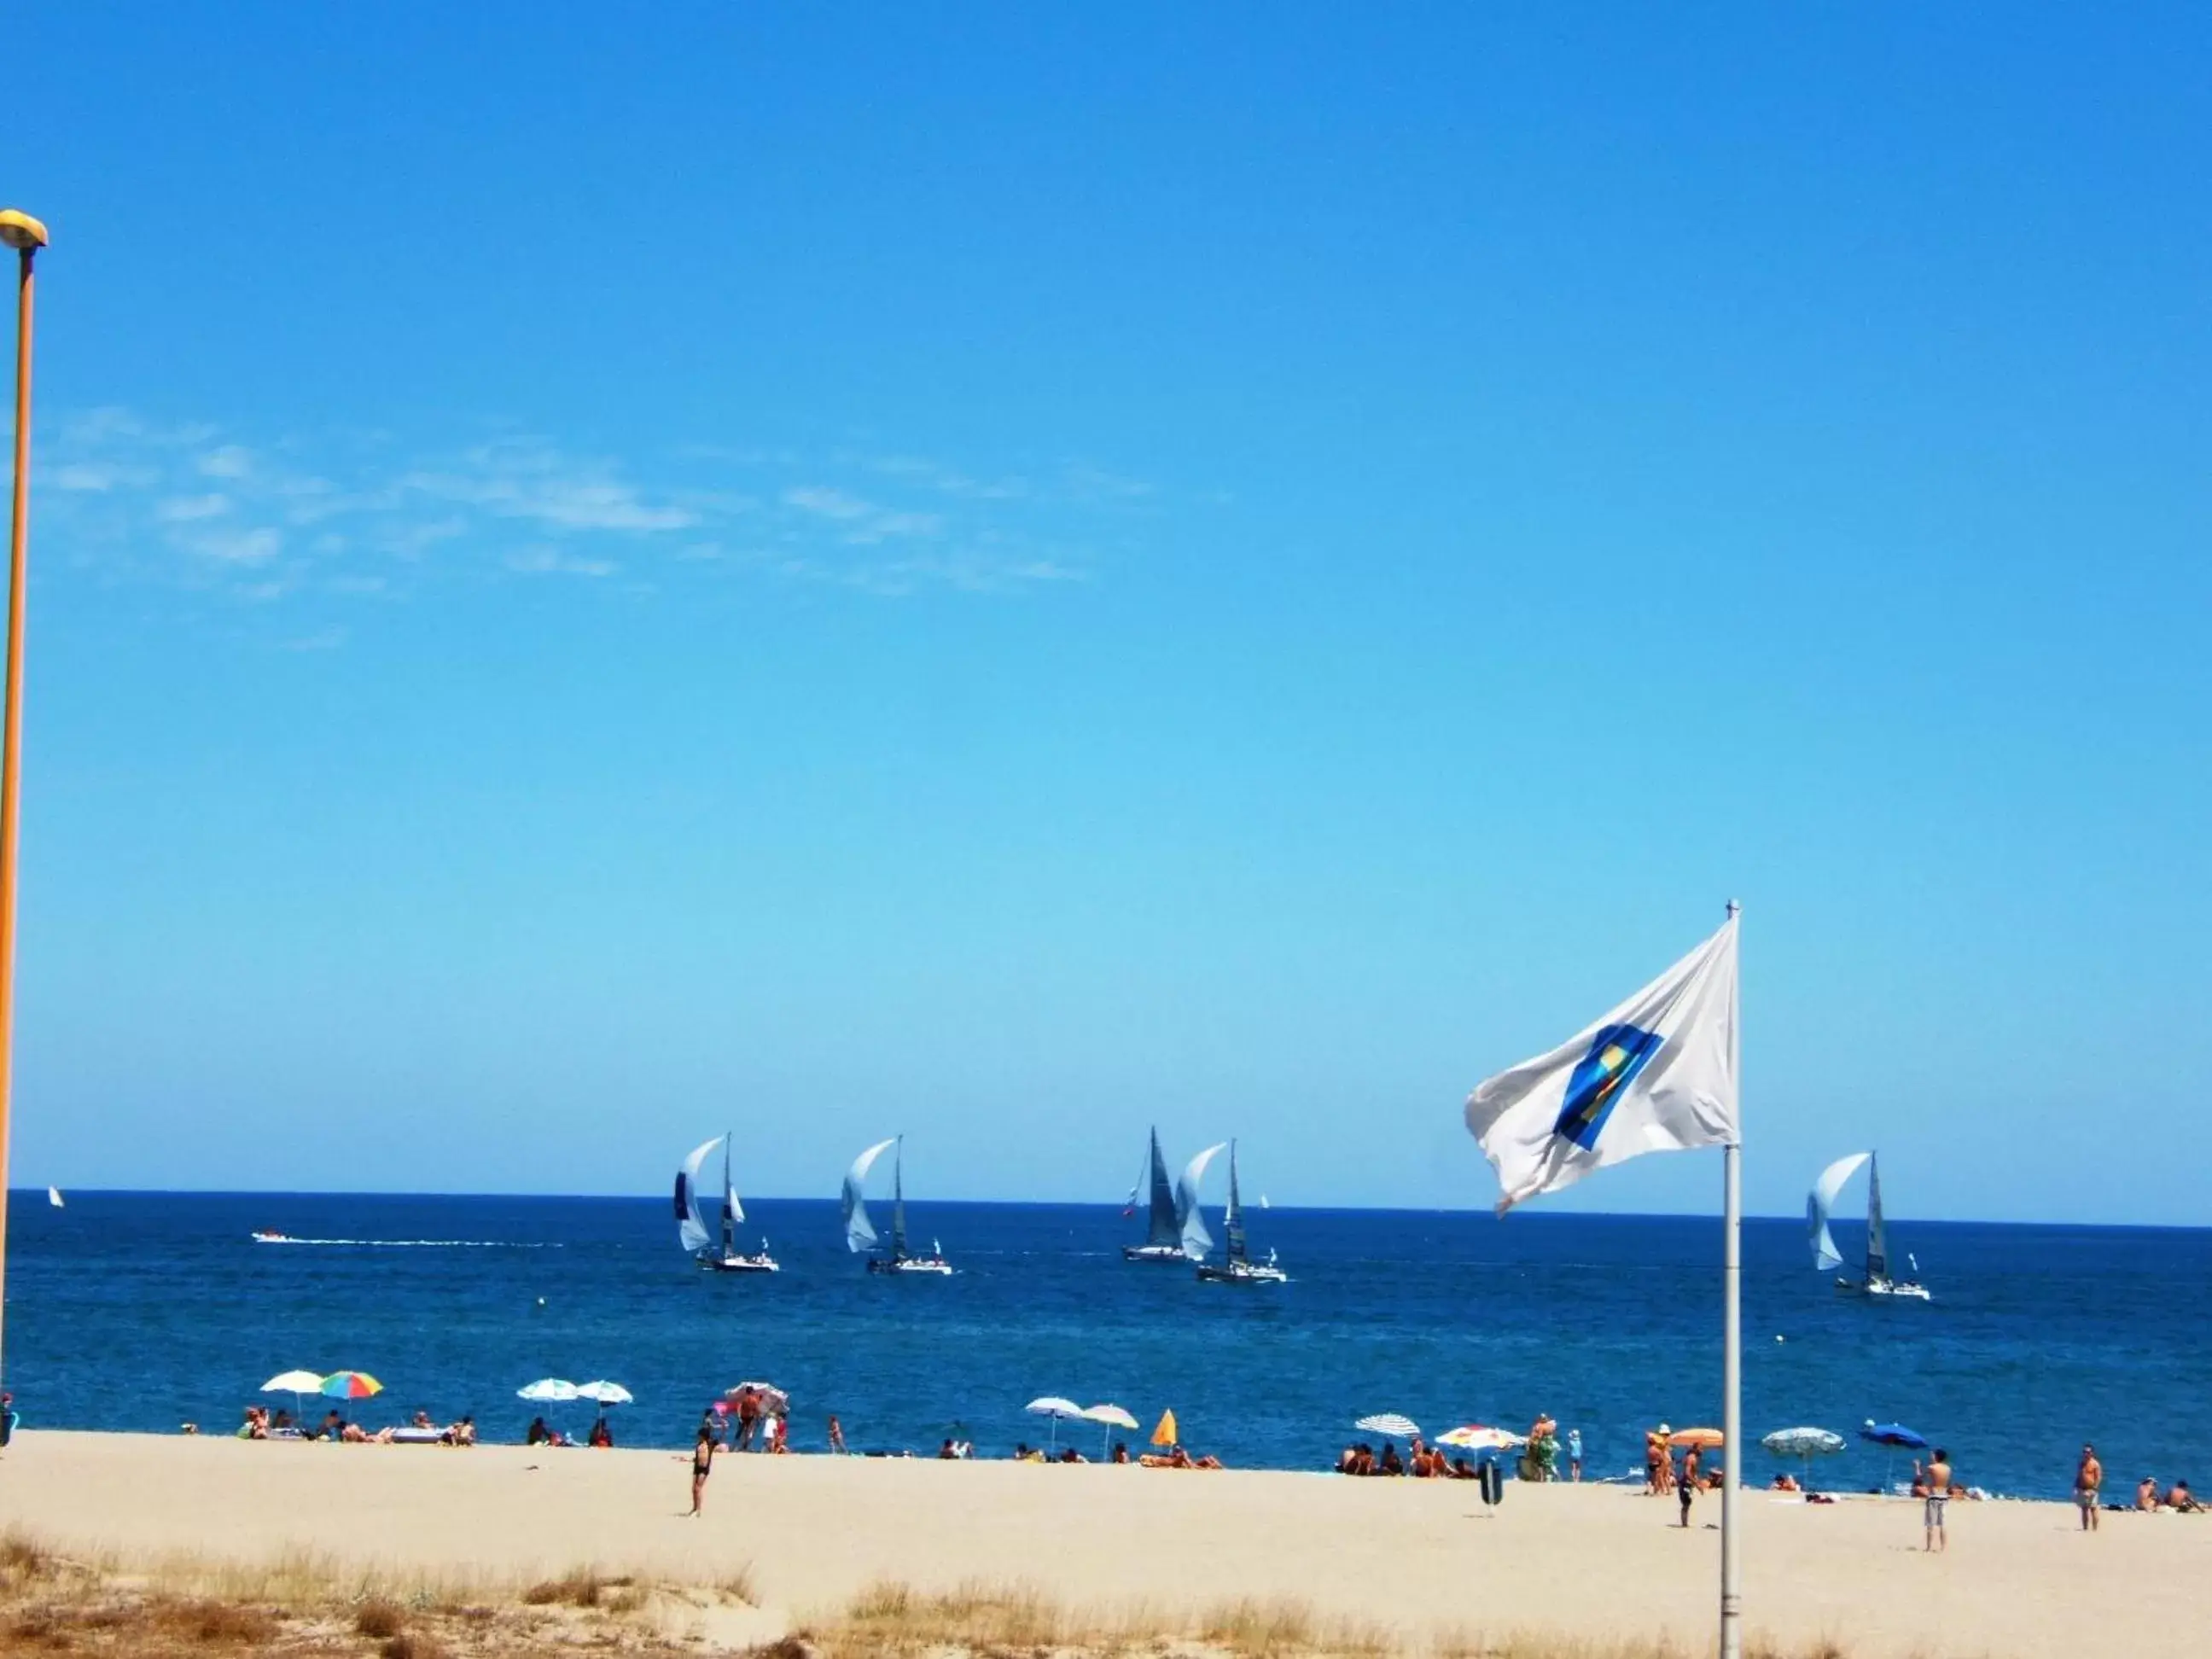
x: 1657, y: 1074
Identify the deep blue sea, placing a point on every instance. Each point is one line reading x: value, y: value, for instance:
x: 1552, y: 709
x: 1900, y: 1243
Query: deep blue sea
x: 135, y: 1310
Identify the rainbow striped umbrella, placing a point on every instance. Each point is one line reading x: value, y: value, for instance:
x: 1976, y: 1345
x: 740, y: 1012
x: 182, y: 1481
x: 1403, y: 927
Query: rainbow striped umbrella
x: 351, y: 1385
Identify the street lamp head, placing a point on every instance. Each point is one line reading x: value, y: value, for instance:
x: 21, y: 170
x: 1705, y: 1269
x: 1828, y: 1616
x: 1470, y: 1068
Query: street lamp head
x: 20, y: 230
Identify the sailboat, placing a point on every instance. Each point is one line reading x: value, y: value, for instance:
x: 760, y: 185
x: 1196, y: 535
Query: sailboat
x: 860, y: 1233
x: 1826, y: 1257
x: 691, y: 1229
x: 1238, y: 1267
x: 1163, y: 1229
x: 54, y: 1197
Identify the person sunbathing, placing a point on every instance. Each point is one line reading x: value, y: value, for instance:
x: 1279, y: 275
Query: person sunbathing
x: 1786, y: 1483
x: 2146, y: 1494
x: 602, y: 1435
x: 1121, y: 1451
x: 1392, y: 1463
x: 2179, y: 1497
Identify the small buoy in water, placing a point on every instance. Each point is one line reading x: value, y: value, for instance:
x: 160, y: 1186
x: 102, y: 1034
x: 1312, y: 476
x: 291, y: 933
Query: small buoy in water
x: 541, y: 1303
x: 1777, y: 1339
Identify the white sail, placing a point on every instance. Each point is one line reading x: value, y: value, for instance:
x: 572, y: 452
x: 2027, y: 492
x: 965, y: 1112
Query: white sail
x: 1196, y: 1241
x: 54, y: 1197
x: 691, y: 1229
x: 1820, y: 1201
x: 737, y: 1211
x: 859, y: 1232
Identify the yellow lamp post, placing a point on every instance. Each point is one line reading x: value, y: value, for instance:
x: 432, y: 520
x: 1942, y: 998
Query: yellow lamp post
x: 26, y: 236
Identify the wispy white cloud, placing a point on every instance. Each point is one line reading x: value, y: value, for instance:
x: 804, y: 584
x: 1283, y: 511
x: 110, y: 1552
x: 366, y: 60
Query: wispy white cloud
x: 330, y: 520
x: 523, y: 478
x: 184, y: 509
x: 238, y: 546
x: 551, y: 562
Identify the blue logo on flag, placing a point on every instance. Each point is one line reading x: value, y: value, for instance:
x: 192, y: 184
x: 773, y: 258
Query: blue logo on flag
x: 1616, y: 1054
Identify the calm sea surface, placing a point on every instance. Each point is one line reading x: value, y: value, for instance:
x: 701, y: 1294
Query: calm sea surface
x: 132, y: 1311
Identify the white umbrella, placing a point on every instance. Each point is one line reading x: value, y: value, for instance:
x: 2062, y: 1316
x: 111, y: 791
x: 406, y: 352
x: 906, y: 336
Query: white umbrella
x: 1805, y: 1444
x: 548, y: 1390
x: 297, y: 1384
x: 1053, y: 1406
x: 604, y: 1393
x: 1480, y: 1437
x: 1390, y: 1423
x: 1114, y: 1418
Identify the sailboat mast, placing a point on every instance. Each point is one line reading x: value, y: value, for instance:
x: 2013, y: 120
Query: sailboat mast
x: 898, y: 1198
x: 1877, y: 1245
x: 728, y: 1242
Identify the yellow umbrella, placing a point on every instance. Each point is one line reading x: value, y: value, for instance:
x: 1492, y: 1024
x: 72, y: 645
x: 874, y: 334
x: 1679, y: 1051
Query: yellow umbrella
x: 1166, y: 1434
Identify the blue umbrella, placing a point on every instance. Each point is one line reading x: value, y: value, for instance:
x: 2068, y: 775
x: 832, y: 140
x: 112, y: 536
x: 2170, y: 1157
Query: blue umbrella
x: 1893, y: 1435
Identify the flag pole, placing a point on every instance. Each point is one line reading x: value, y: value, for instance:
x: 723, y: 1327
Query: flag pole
x: 1732, y: 1339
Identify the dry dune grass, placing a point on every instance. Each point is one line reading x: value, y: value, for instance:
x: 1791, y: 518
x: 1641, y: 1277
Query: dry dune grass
x: 186, y: 1607
x: 982, y: 1621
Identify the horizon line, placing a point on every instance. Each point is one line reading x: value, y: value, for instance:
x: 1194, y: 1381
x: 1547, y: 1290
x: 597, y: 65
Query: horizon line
x: 1479, y: 1211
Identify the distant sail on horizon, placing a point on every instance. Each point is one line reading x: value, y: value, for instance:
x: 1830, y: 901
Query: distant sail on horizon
x: 54, y: 1197
x: 1820, y: 1202
x: 860, y: 1231
x: 1190, y: 1224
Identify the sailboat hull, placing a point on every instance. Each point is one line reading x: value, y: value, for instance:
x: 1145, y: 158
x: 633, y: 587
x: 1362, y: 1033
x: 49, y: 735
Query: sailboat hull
x: 761, y: 1263
x: 909, y: 1264
x: 1242, y: 1272
x: 1888, y: 1289
x: 1153, y: 1253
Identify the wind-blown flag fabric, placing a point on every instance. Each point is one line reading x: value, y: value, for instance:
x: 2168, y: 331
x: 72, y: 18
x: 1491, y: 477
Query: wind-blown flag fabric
x: 1656, y: 1074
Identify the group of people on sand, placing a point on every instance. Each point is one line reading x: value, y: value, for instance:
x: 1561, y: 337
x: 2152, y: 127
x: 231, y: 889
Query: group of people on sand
x: 542, y: 1433
x: 261, y: 1424
x: 1421, y: 1462
x: 2149, y: 1499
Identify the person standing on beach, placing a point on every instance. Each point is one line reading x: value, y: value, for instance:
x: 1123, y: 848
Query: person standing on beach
x: 837, y: 1436
x: 1936, y: 1478
x: 1575, y: 1453
x: 2088, y: 1476
x: 702, y: 1465
x: 1685, y: 1488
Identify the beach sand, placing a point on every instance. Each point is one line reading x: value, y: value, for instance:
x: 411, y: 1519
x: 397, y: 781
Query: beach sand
x: 1420, y: 1559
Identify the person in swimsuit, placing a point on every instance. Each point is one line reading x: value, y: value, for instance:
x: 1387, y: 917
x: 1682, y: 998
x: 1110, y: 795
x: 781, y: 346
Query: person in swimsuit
x: 1685, y: 1488
x: 702, y: 1465
x: 1936, y: 1475
x: 837, y: 1436
x: 2088, y: 1476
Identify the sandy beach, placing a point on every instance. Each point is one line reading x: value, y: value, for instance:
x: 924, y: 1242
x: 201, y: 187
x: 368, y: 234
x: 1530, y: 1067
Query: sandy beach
x: 1420, y: 1558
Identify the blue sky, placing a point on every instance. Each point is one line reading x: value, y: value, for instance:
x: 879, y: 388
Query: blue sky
x: 1012, y: 574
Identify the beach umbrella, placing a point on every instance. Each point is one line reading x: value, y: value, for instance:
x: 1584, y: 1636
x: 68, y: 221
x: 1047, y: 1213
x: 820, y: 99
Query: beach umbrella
x: 1892, y: 1436
x: 1478, y: 1437
x: 1053, y: 1406
x: 1113, y: 1417
x: 1390, y: 1423
x: 1702, y: 1439
x: 771, y: 1397
x: 1804, y: 1443
x: 350, y: 1385
x: 603, y: 1393
x: 547, y: 1391
x: 298, y: 1384
x: 1165, y: 1431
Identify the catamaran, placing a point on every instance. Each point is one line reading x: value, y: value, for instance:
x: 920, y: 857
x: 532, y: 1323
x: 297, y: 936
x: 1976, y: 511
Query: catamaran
x: 1826, y: 1258
x: 691, y: 1229
x: 1238, y: 1267
x: 1163, y: 1229
x: 861, y: 1233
